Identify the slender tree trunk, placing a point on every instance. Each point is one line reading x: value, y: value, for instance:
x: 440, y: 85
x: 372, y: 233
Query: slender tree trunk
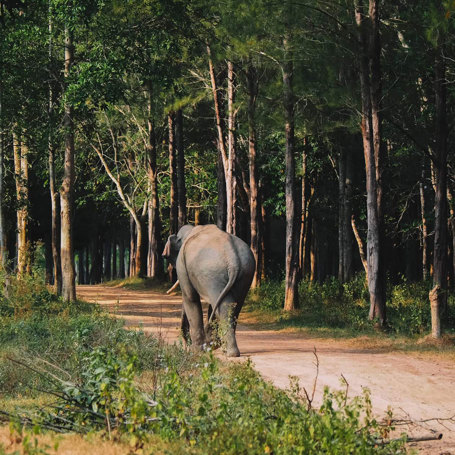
x: 372, y: 146
x: 80, y: 267
x: 181, y: 186
x: 291, y: 301
x: 451, y: 228
x: 304, y: 212
x: 425, y: 262
x: 114, y: 260
x: 132, y: 265
x: 262, y: 225
x: 221, y: 214
x: 174, y: 209
x: 21, y: 177
x: 121, y: 258
x: 253, y: 193
x: 313, y: 251
x: 231, y: 181
x: 55, y: 227
x: 107, y: 270
x: 223, y: 204
x: 438, y: 295
x: 67, y: 188
x: 155, y: 266
x: 3, y: 247
x: 360, y: 246
x: 87, y: 265
x: 344, y: 218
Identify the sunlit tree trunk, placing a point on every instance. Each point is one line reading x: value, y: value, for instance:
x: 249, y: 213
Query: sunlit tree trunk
x: 438, y: 295
x: 231, y: 181
x: 370, y: 86
x: 222, y: 207
x: 67, y: 188
x: 155, y: 263
x: 174, y: 209
x: 54, y: 195
x: 181, y: 186
x: 21, y: 178
x: 291, y: 301
x: 3, y: 248
x: 253, y: 193
x: 425, y: 250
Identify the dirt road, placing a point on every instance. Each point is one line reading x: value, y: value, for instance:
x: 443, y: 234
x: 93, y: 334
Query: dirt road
x: 416, y: 388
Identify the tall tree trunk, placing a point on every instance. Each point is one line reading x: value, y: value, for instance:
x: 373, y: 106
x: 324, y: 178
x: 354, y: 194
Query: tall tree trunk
x: 56, y: 265
x: 132, y: 262
x: 425, y: 250
x: 3, y: 247
x: 344, y: 218
x: 304, y: 212
x: 87, y: 265
x: 114, y: 260
x: 174, y: 209
x: 370, y: 86
x: 231, y: 181
x: 223, y: 206
x: 291, y: 301
x: 438, y: 295
x: 67, y: 188
x: 253, y: 193
x: 21, y: 177
x: 155, y: 266
x: 121, y: 258
x: 181, y: 186
x: 80, y: 267
x: 107, y: 269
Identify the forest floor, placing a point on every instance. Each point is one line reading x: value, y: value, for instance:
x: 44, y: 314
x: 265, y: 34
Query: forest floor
x: 418, y: 386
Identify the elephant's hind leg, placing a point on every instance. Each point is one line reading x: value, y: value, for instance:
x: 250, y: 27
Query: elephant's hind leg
x: 228, y: 316
x: 193, y: 309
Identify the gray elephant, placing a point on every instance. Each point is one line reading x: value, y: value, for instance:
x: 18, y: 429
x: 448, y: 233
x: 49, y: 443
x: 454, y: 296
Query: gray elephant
x: 217, y: 267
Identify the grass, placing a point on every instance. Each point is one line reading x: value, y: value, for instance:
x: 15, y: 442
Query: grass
x: 335, y: 310
x: 140, y: 284
x: 74, y: 369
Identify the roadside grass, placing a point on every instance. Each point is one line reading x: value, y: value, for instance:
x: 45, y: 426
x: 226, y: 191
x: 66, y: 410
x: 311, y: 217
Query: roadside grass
x: 335, y: 310
x: 140, y: 284
x: 75, y: 370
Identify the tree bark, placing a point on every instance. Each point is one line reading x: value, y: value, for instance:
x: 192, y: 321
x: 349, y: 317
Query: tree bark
x: 291, y: 301
x: 438, y: 295
x: 174, y: 209
x: 155, y: 263
x: 132, y: 261
x: 114, y: 260
x: 181, y: 186
x: 344, y: 218
x: 370, y: 86
x: 3, y: 247
x: 223, y: 206
x: 360, y: 245
x: 425, y: 262
x: 304, y: 212
x: 54, y: 195
x: 231, y: 181
x: 67, y: 188
x: 253, y: 191
x: 121, y: 258
x: 21, y: 178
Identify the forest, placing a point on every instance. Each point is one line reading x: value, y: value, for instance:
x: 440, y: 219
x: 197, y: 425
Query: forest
x: 316, y: 131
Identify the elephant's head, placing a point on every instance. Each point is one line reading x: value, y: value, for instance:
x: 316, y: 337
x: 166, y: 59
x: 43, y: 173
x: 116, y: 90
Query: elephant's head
x: 174, y: 243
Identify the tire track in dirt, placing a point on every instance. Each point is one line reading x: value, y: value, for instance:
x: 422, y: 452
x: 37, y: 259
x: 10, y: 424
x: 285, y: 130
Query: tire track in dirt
x: 416, y: 388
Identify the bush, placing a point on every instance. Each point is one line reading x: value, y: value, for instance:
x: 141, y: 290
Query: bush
x: 335, y: 305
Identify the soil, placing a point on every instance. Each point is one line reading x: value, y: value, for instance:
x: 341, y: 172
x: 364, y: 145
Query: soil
x: 417, y: 388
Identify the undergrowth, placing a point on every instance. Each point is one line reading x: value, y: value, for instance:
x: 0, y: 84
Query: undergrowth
x: 68, y: 368
x: 334, y: 305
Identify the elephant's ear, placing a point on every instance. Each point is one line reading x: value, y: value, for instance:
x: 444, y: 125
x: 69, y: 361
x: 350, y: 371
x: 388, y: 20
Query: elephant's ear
x: 176, y: 243
x: 168, y: 247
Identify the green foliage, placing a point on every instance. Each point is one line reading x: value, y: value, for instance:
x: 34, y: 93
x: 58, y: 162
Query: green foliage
x: 345, y: 306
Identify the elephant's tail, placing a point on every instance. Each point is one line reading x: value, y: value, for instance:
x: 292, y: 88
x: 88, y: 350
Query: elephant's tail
x: 233, y: 273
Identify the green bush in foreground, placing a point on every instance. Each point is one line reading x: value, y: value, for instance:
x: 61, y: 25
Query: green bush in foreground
x: 87, y: 373
x: 335, y: 305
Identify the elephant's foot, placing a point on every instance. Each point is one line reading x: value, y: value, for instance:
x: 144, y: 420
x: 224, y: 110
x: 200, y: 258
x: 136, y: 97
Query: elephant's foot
x: 234, y: 352
x: 232, y: 349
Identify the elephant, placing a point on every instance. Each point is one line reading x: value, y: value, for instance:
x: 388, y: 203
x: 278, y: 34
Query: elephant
x: 214, y: 266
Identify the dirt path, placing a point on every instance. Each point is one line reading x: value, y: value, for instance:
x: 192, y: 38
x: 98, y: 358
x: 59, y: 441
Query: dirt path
x: 416, y: 388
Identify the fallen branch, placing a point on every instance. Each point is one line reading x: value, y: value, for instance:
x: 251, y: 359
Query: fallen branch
x: 430, y: 437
